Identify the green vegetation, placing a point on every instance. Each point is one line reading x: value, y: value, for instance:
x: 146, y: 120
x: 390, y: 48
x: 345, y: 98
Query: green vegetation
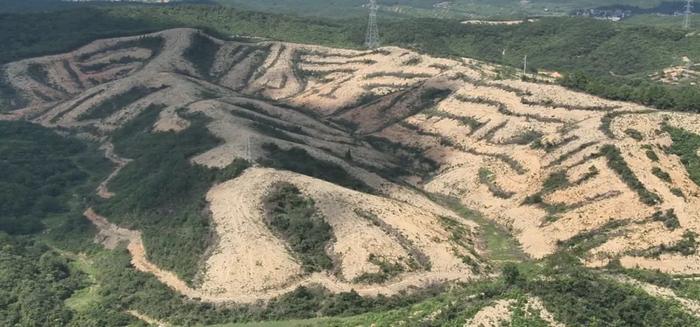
x: 162, y: 194
x: 664, y: 176
x: 39, y: 73
x: 34, y: 34
x: 687, y: 245
x: 34, y: 282
x: 650, y: 153
x: 42, y: 174
x: 640, y: 90
x: 487, y: 178
x: 118, y: 102
x: 387, y: 270
x: 635, y: 134
x: 669, y: 218
x: 586, y: 50
x: 686, y: 146
x: 297, y: 220
x: 617, y: 163
x: 555, y: 181
x: 300, y: 161
x: 500, y: 244
x: 677, y: 192
x: 410, y: 159
x: 202, y: 53
x: 461, y: 238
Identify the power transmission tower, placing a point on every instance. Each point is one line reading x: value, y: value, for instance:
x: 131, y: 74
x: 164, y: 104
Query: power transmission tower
x: 688, y: 12
x: 372, y: 38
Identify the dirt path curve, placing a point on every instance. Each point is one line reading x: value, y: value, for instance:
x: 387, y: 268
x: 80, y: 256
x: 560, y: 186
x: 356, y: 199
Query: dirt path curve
x: 110, y: 236
x: 102, y: 190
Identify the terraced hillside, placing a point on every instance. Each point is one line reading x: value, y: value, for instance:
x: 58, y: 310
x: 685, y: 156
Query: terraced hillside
x: 354, y: 145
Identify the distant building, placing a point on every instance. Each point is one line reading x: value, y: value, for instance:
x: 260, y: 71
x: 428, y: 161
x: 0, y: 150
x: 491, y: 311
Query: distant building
x: 605, y: 14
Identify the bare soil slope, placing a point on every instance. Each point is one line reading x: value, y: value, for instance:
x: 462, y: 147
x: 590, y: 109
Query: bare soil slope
x: 552, y: 165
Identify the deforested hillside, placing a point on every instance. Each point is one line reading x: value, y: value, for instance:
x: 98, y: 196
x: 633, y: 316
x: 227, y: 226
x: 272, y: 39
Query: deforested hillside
x: 247, y: 171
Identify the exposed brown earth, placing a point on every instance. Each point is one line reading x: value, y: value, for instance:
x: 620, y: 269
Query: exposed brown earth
x: 494, y: 143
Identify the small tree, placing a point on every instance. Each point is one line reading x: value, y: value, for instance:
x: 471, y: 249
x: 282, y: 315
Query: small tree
x: 511, y: 274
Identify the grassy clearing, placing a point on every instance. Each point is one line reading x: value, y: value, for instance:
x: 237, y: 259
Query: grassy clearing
x: 500, y: 245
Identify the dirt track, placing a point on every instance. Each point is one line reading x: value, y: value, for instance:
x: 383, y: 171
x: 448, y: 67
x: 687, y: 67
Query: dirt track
x: 111, y: 236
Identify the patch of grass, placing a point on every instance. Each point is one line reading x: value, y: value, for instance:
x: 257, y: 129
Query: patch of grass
x: 473, y: 123
x: 410, y: 159
x: 617, y: 163
x: 299, y: 223
x: 501, y: 246
x: 583, y: 242
x: 397, y: 74
x: 527, y: 137
x: 461, y: 236
x: 38, y: 73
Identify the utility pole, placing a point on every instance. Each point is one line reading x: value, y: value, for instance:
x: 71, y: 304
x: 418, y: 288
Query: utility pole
x: 525, y: 66
x: 688, y: 12
x: 372, y: 38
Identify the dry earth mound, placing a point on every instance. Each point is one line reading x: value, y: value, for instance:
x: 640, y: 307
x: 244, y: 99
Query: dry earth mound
x: 558, y: 168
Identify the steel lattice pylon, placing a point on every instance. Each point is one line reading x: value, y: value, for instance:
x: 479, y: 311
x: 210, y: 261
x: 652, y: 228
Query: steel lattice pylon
x: 372, y: 38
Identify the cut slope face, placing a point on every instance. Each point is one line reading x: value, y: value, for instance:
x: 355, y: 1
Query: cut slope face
x: 560, y: 169
x: 249, y: 258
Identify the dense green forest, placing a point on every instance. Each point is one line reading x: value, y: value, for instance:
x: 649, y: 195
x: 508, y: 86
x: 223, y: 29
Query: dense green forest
x: 41, y: 174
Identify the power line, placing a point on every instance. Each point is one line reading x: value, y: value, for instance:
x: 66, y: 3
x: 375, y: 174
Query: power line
x: 372, y: 38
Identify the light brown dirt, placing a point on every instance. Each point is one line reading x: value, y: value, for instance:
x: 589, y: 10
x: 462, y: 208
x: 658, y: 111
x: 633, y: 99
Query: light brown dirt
x: 574, y: 127
x: 249, y: 258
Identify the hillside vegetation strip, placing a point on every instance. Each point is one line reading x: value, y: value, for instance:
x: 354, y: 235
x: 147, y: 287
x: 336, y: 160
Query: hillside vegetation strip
x: 294, y: 217
x: 119, y: 102
x: 617, y: 163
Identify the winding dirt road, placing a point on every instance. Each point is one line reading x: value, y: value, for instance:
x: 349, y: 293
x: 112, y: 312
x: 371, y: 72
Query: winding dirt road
x: 110, y: 236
